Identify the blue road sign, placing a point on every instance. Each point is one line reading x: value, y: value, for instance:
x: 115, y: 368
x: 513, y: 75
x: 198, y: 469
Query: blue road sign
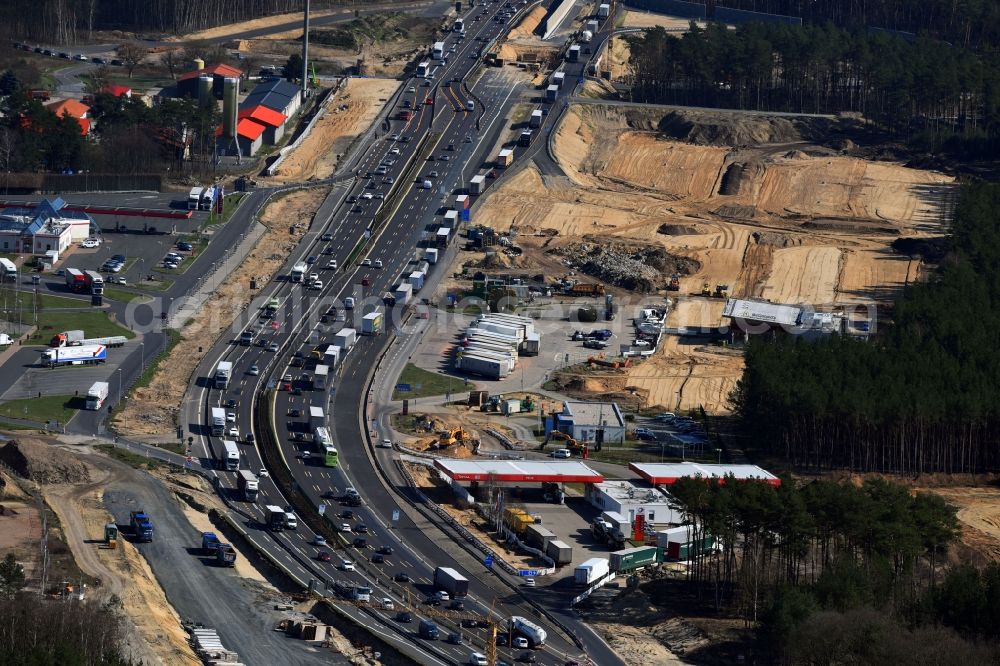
x: 402, y: 388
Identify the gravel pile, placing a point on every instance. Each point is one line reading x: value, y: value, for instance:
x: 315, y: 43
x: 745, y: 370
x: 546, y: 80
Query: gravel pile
x: 640, y: 268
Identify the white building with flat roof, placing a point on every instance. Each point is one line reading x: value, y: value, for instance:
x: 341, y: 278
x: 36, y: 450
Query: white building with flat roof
x: 583, y: 420
x: 630, y: 499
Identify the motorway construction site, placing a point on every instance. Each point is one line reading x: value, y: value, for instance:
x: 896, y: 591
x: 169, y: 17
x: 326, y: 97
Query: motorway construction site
x: 777, y: 208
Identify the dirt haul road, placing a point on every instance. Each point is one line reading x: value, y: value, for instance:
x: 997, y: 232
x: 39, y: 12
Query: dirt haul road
x: 759, y: 207
x: 156, y: 633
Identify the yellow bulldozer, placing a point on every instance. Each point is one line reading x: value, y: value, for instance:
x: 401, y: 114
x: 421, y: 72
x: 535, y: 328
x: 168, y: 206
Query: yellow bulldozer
x: 457, y: 436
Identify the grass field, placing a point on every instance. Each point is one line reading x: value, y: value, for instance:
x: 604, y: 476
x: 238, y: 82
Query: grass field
x: 94, y: 324
x: 424, y: 383
x: 229, y: 204
x: 59, y: 408
x: 130, y: 458
x: 24, y: 299
x: 123, y: 296
x: 152, y: 366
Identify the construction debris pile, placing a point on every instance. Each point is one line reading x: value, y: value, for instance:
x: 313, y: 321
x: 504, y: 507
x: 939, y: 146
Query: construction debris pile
x: 633, y: 266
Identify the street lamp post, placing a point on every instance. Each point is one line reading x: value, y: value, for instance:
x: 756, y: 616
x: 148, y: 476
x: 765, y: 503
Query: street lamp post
x: 119, y: 403
x: 142, y: 357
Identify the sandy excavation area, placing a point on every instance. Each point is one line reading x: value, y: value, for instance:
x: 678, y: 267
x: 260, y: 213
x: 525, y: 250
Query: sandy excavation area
x: 756, y: 205
x: 254, y: 24
x: 152, y: 410
x: 348, y: 113
x: 639, y: 19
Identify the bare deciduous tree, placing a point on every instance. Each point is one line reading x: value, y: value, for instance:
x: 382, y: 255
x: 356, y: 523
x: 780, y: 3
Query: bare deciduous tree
x: 173, y: 61
x: 132, y: 55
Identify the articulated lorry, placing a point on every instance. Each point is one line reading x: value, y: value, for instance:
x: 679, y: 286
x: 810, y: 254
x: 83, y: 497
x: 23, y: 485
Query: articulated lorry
x: 451, y: 581
x: 223, y: 373
x: 224, y: 553
x: 78, y: 338
x: 248, y: 484
x: 76, y: 280
x: 299, y: 271
x: 522, y: 626
x: 275, y: 517
x: 371, y: 324
x: 218, y: 424
x: 96, y: 395
x: 84, y: 355
x: 194, y: 197
x: 142, y: 526
x: 230, y: 456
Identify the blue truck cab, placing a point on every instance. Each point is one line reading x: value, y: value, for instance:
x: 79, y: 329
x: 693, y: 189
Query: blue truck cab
x: 209, y: 543
x: 141, y: 525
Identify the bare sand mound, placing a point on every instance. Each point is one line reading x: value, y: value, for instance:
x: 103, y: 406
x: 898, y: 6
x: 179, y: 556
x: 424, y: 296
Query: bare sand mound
x: 718, y: 128
x: 42, y: 463
x: 527, y: 27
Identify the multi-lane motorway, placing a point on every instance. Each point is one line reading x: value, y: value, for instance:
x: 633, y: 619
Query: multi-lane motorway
x: 440, y: 120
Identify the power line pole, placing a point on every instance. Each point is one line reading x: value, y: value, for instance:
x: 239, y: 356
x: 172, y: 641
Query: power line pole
x: 305, y: 52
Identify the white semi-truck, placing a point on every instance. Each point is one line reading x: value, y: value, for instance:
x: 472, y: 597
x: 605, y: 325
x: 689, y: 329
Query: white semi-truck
x: 451, y: 581
x: 82, y: 355
x: 249, y: 485
x: 593, y: 569
x: 218, y: 423
x: 223, y: 373
x: 230, y: 455
x: 96, y: 395
x: 194, y: 197
x: 299, y: 271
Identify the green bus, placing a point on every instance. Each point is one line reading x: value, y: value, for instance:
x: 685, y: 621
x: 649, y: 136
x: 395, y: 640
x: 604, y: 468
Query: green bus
x: 325, y: 445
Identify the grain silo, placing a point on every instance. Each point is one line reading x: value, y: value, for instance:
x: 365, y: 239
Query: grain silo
x: 230, y: 108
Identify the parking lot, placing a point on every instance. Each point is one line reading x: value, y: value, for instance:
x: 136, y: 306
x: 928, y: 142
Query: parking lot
x: 34, y: 380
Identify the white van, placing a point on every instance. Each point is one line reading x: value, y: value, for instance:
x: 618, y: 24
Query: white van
x: 562, y: 453
x: 349, y: 303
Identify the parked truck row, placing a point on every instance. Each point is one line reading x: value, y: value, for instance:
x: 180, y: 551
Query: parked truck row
x: 78, y: 338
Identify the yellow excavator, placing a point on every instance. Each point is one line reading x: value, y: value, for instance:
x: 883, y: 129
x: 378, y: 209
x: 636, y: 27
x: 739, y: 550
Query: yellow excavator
x: 570, y: 443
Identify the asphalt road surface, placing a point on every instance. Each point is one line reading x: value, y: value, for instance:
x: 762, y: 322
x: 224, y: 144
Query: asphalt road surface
x: 298, y: 327
x: 199, y: 590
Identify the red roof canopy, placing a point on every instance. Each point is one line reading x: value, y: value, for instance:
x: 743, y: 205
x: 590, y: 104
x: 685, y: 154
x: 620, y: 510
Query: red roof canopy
x: 71, y: 106
x: 218, y: 69
x: 519, y: 471
x: 116, y: 90
x: 263, y: 115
